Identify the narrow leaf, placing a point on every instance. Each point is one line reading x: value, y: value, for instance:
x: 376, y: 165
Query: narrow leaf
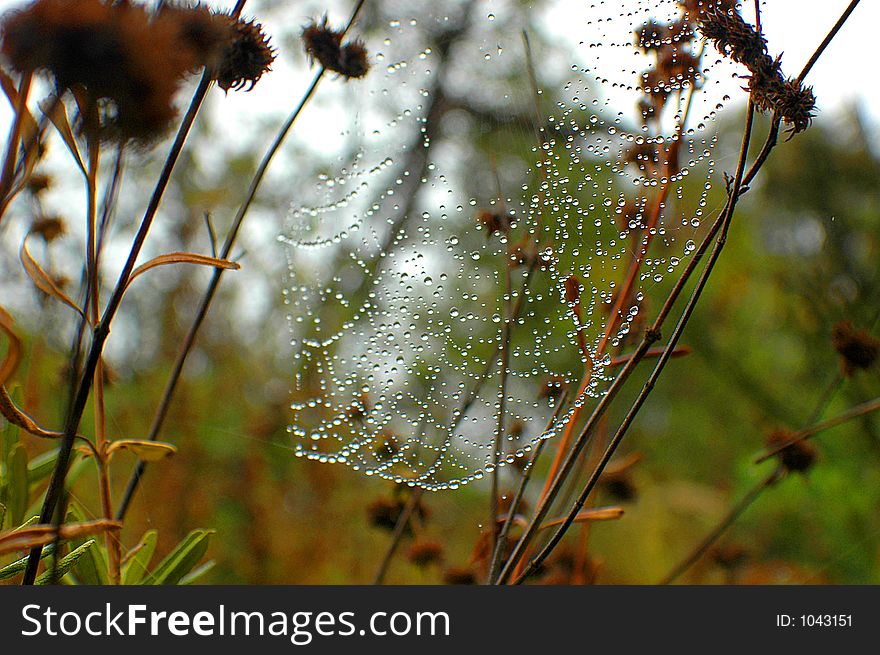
x: 41, y: 535
x: 139, y: 559
x: 148, y: 451
x: 19, y: 419
x: 56, y: 112
x: 182, y: 559
x: 41, y: 466
x: 600, y: 514
x: 13, y: 350
x: 43, y: 281
x: 198, y: 573
x: 183, y: 258
x: 18, y: 566
x: 65, y: 563
x: 17, y: 490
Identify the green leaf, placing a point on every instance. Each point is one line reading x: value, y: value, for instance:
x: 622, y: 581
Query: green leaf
x: 92, y: 568
x: 2, y: 514
x: 18, y: 566
x: 136, y: 567
x: 181, y: 560
x: 196, y: 574
x: 66, y: 563
x: 41, y: 466
x: 17, y: 490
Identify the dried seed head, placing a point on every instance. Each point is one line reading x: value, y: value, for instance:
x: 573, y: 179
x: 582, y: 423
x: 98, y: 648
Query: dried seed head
x: 246, y: 57
x: 123, y: 66
x: 858, y: 350
x: 799, y: 457
x: 459, y: 576
x: 796, y: 104
x: 733, y: 37
x: 203, y: 32
x: 324, y: 45
x: 619, y: 486
x: 425, y: 553
x: 38, y: 183
x: 48, y: 228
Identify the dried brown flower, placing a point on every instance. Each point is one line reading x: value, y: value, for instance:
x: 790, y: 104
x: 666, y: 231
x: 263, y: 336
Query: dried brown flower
x: 425, y: 553
x: 799, y: 457
x: 383, y: 513
x: 123, y: 66
x: 48, y: 228
x: 459, y: 576
x: 324, y: 45
x: 38, y: 183
x: 246, y: 57
x: 857, y: 348
x: 205, y: 33
x: 620, y: 486
x: 794, y: 103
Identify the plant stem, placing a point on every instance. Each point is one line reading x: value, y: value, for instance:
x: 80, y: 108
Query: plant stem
x: 727, y: 216
x: 210, y: 292
x: 729, y: 519
x: 102, y: 329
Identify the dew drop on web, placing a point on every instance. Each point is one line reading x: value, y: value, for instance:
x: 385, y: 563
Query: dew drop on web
x: 397, y: 294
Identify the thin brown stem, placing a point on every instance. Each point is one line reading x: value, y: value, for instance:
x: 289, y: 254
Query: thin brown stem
x: 211, y: 291
x: 729, y: 519
x: 102, y: 329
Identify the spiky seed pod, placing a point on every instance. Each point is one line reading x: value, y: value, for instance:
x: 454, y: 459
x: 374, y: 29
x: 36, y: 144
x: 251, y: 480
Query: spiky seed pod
x: 124, y: 66
x: 246, y: 57
x: 324, y: 46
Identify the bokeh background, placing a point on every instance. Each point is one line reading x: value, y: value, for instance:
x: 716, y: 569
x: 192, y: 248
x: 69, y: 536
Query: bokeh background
x: 802, y: 256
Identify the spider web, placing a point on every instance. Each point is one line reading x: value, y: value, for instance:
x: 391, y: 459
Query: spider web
x: 397, y: 296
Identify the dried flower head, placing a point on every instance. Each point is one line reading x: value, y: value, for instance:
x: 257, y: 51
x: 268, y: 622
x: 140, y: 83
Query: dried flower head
x: 459, y: 576
x: 38, y: 183
x: 794, y: 103
x: 48, y: 228
x: 425, y: 553
x: 799, y: 456
x: 123, y: 65
x: 246, y: 57
x: 620, y: 486
x: 205, y: 33
x: 383, y: 513
x: 324, y: 45
x: 858, y: 350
